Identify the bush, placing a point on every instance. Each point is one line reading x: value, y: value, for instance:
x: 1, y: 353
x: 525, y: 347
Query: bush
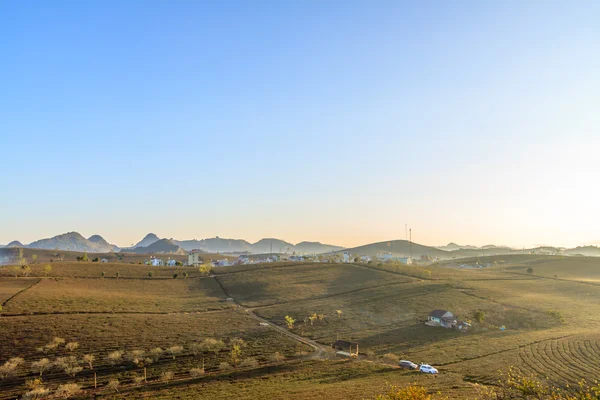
x: 249, y: 362
x: 391, y: 358
x: 224, y: 366
x: 530, y: 270
x: 167, y: 375
x: 197, y: 371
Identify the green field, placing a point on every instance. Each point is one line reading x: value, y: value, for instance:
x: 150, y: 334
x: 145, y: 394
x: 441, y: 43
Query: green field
x: 550, y: 315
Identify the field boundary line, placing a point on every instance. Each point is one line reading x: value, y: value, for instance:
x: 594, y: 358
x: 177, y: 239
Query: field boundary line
x: 19, y: 292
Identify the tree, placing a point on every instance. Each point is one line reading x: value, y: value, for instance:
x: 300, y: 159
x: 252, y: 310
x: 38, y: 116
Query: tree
x: 339, y: 313
x: 41, y: 366
x: 174, y: 276
x: 36, y: 391
x: 89, y: 360
x: 235, y: 354
x: 47, y: 269
x: 95, y: 259
x: 103, y: 274
x: 85, y: 257
x: 479, y: 316
x: 205, y: 268
x: 321, y: 317
x: 312, y: 318
x: 117, y: 275
x: 67, y: 390
x: 34, y: 257
x: 196, y: 348
x: 530, y: 270
x: 197, y: 371
x: 150, y: 274
x: 289, y: 321
x: 185, y: 275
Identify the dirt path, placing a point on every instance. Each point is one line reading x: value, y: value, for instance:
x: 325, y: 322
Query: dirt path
x: 319, y: 349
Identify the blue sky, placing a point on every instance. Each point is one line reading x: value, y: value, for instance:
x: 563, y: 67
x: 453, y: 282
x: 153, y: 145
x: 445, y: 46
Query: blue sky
x: 338, y: 121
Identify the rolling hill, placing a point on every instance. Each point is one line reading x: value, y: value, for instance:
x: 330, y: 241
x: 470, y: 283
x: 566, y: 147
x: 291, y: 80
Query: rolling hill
x: 398, y: 248
x: 100, y: 241
x: 14, y: 243
x: 162, y: 246
x: 315, y: 247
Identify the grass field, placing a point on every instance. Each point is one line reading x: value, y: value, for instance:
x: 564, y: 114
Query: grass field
x: 550, y: 315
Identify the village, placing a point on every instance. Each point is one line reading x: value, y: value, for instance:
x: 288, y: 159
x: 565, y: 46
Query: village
x: 195, y: 258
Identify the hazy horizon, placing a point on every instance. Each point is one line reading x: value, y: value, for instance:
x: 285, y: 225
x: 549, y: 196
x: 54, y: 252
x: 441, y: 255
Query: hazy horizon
x: 339, y: 122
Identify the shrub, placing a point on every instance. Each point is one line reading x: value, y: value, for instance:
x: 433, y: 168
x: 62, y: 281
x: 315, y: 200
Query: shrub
x: 224, y: 366
x: 276, y: 357
x: 113, y: 384
x: 114, y: 357
x: 9, y: 367
x: 69, y: 365
x: 391, y: 358
x: 167, y: 375
x: 155, y: 353
x: 175, y: 276
x: 36, y: 394
x: 150, y: 274
x: 530, y: 270
x: 174, y: 350
x: 249, y: 362
x: 138, y: 379
x: 197, y: 371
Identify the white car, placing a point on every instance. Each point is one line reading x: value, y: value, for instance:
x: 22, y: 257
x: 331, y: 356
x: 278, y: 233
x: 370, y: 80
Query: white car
x: 427, y: 369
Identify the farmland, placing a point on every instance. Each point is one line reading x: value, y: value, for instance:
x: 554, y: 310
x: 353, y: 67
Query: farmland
x: 550, y: 315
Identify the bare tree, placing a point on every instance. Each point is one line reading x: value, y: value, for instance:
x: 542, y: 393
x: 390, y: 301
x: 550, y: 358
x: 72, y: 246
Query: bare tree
x: 89, y: 360
x: 224, y: 366
x: 9, y: 367
x: 69, y: 365
x: 67, y: 390
x: 155, y: 353
x: 136, y: 356
x: 213, y: 345
x: 72, y: 346
x: 41, y: 366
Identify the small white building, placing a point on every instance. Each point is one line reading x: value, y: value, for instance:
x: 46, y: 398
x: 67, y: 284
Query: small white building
x: 365, y: 259
x: 104, y: 260
x: 171, y: 263
x: 157, y: 262
x: 243, y: 260
x: 346, y: 257
x: 385, y: 256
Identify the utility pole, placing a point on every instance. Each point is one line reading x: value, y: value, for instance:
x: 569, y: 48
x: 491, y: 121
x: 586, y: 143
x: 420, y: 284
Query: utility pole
x: 410, y: 243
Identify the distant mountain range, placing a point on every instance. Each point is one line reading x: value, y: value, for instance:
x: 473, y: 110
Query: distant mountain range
x: 151, y: 243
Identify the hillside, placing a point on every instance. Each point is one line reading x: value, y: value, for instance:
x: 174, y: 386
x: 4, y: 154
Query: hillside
x: 163, y: 246
x: 72, y: 241
x: 453, y: 246
x: 398, y: 248
x: 278, y: 246
x: 315, y: 247
x: 589, y: 251
x: 14, y: 243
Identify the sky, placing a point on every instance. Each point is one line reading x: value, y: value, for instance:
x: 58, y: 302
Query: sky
x: 333, y: 121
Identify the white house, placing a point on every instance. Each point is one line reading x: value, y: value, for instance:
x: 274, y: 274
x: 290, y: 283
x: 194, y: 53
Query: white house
x: 404, y: 260
x: 243, y: 260
x: 194, y: 258
x: 171, y: 263
x: 104, y: 260
x: 365, y: 259
x: 346, y: 256
x: 385, y: 256
x: 156, y: 262
x: 221, y: 263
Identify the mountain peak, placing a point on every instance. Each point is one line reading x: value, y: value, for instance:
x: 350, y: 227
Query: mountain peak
x: 147, y: 240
